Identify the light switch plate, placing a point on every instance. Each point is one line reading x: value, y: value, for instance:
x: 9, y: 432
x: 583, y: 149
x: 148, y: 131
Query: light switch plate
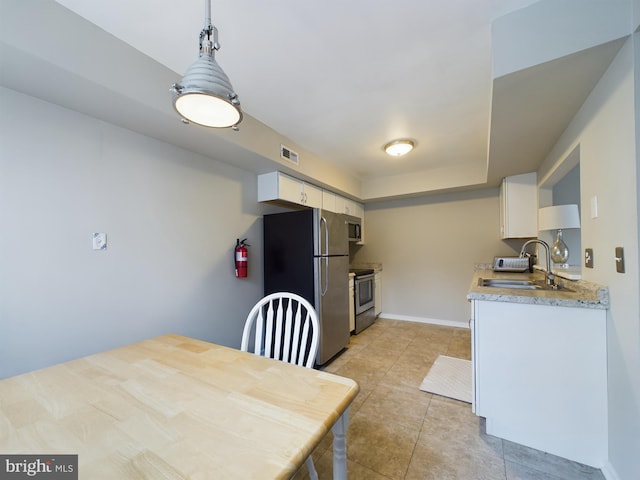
x: 619, y: 259
x: 99, y: 241
x: 588, y: 257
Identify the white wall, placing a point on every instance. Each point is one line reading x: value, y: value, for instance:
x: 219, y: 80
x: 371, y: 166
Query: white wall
x: 171, y: 217
x: 428, y: 247
x: 605, y: 130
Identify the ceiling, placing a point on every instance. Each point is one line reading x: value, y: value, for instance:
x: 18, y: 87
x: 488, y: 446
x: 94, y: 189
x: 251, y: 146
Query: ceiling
x: 340, y: 80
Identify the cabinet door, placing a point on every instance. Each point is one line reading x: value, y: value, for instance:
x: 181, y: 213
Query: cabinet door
x: 290, y: 189
x: 541, y: 377
x: 378, y: 293
x: 329, y: 201
x: 312, y: 196
x: 349, y: 207
x: 352, y: 306
x: 358, y: 210
x: 341, y: 204
x: 519, y: 206
x: 474, y: 359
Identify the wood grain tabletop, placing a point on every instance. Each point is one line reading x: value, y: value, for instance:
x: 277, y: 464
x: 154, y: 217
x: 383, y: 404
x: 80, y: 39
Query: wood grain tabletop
x: 173, y: 407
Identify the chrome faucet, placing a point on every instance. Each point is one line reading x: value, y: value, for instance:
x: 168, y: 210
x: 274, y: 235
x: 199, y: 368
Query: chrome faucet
x: 548, y: 275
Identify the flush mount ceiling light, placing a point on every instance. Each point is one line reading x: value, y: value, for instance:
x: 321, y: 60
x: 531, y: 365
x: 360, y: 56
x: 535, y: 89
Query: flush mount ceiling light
x: 205, y: 95
x: 400, y: 147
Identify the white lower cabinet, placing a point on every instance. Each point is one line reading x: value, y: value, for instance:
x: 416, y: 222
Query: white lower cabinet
x: 377, y: 288
x: 540, y: 377
x: 352, y: 304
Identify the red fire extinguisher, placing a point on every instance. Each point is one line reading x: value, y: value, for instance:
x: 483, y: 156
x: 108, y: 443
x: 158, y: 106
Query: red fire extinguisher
x: 241, y: 257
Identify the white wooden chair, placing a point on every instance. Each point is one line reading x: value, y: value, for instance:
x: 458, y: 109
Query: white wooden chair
x: 284, y: 326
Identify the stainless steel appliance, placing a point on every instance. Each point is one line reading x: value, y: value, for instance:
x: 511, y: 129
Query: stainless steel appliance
x: 307, y: 252
x: 354, y: 228
x: 364, y: 296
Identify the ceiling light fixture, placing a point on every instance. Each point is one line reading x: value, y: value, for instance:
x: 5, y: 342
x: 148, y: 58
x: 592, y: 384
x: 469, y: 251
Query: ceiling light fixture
x: 205, y: 95
x: 400, y: 147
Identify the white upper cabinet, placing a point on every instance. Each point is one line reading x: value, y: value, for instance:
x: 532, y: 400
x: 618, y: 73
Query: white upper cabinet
x: 519, y: 206
x: 278, y: 186
x: 329, y: 201
x: 349, y: 207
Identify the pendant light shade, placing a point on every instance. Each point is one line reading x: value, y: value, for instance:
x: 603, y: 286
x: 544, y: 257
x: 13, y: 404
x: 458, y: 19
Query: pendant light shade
x: 205, y: 95
x: 559, y: 217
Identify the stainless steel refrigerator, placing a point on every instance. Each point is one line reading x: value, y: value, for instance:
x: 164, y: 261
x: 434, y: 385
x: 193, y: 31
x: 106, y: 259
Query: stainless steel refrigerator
x: 307, y: 252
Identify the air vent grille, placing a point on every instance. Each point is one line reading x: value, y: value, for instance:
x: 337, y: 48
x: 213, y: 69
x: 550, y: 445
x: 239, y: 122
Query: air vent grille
x: 288, y: 154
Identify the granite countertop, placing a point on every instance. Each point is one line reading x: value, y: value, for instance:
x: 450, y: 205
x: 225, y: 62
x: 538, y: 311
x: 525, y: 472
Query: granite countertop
x: 583, y: 294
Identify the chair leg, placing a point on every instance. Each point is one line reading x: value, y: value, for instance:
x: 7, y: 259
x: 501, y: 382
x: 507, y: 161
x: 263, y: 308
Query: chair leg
x: 313, y: 475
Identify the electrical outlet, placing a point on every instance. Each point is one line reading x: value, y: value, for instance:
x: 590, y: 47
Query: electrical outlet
x: 619, y: 259
x: 99, y: 241
x: 588, y: 257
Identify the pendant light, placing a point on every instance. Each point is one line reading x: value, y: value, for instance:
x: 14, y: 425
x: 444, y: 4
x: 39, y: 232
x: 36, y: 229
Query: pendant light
x: 205, y: 95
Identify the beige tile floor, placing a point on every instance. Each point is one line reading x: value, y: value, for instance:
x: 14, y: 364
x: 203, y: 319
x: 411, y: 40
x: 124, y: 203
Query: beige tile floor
x: 399, y: 432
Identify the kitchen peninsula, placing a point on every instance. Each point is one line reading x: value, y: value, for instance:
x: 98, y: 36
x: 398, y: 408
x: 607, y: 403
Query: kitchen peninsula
x: 540, y: 363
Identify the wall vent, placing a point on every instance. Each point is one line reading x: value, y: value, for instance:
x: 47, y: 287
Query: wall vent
x: 288, y: 154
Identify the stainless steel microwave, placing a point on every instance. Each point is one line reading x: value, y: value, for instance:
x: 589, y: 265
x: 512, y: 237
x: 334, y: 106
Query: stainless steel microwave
x: 354, y: 227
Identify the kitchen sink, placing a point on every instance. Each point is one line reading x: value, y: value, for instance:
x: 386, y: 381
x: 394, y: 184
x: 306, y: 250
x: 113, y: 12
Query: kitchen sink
x: 507, y: 283
x: 519, y: 284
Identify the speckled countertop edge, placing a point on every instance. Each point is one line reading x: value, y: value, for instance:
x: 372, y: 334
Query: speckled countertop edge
x: 584, y: 295
x: 375, y: 266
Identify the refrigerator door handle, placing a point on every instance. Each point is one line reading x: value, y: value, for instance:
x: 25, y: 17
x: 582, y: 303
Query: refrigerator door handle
x: 326, y: 236
x: 324, y: 266
x: 326, y: 276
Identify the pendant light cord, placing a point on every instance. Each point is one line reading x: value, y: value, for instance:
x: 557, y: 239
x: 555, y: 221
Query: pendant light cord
x: 207, y: 13
x: 208, y: 30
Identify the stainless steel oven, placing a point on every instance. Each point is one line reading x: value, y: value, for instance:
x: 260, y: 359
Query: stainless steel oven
x: 364, y: 297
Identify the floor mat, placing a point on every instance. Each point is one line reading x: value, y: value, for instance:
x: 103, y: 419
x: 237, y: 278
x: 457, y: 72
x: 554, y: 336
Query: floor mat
x: 449, y: 377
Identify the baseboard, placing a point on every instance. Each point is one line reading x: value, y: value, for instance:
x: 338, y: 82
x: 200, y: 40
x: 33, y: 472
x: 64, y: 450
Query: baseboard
x: 609, y: 472
x: 432, y: 321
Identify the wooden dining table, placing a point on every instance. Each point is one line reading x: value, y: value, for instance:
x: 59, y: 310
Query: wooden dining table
x: 175, y: 407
